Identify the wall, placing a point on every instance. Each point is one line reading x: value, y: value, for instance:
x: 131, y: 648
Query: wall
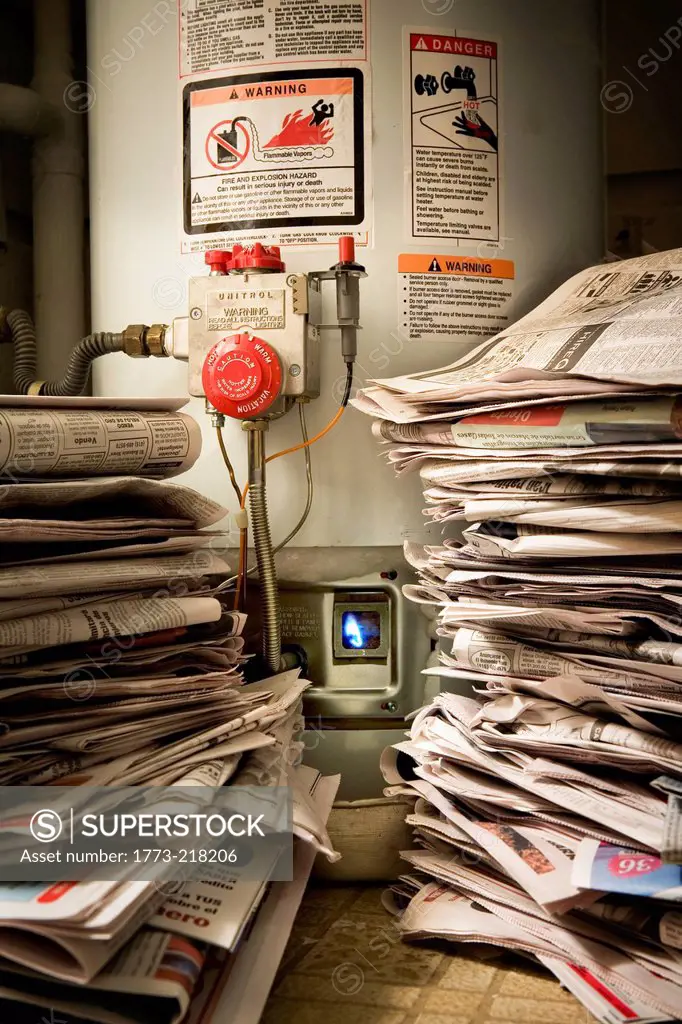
x: 16, y: 251
x: 553, y: 226
x: 642, y: 97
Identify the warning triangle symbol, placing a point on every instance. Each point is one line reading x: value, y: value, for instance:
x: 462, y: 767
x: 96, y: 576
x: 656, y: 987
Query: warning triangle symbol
x: 234, y: 95
x: 434, y: 266
x: 197, y: 198
x: 421, y: 45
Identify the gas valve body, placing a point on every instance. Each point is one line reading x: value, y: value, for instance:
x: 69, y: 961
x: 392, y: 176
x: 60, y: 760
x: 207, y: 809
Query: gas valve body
x: 253, y: 334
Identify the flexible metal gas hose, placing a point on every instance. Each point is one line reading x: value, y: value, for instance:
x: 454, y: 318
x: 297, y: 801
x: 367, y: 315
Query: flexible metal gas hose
x: 77, y: 369
x: 265, y: 556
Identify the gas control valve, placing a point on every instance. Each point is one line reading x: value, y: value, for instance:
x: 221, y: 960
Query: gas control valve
x: 253, y: 334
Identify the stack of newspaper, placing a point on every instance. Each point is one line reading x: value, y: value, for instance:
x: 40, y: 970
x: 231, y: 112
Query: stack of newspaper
x: 117, y: 658
x: 120, y: 666
x: 130, y: 953
x: 551, y: 801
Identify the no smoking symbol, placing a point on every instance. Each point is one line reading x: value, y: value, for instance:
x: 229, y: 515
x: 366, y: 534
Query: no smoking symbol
x: 227, y: 145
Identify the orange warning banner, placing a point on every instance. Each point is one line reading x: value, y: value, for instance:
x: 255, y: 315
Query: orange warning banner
x: 471, y: 266
x: 273, y: 90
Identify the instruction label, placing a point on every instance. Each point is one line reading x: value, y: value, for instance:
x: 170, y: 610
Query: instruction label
x: 255, y: 308
x: 446, y: 297
x: 216, y: 35
x: 282, y: 149
x: 452, y: 127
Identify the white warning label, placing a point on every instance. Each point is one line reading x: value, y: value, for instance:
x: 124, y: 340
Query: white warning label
x: 452, y: 136
x: 448, y: 297
x: 275, y: 150
x: 216, y: 35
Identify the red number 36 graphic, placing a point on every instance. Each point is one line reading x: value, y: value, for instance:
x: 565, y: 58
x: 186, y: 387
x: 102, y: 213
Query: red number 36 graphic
x: 627, y: 864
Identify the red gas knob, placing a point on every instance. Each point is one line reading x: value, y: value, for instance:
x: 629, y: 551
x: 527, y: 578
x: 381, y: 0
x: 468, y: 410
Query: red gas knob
x: 346, y: 249
x: 257, y: 257
x: 242, y: 376
x: 218, y: 260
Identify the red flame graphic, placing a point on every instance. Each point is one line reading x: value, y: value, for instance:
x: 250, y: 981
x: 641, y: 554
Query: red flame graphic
x: 297, y: 131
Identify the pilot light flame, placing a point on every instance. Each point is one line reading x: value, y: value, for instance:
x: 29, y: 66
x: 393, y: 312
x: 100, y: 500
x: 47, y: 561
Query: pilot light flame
x: 351, y: 631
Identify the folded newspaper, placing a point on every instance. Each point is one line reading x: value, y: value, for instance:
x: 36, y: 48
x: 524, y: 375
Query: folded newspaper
x: 548, y: 781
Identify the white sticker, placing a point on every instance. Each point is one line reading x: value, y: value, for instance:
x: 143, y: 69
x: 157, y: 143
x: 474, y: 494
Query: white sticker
x: 452, y: 133
x: 446, y: 297
x: 216, y: 35
x: 233, y: 308
x: 275, y: 156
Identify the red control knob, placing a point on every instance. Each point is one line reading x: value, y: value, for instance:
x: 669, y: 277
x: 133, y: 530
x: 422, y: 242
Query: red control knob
x: 218, y: 260
x: 257, y: 257
x: 346, y: 249
x: 242, y: 376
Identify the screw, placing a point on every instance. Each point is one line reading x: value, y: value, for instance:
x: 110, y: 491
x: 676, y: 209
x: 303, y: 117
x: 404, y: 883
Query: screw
x: 390, y: 705
x: 294, y: 370
x: 195, y: 313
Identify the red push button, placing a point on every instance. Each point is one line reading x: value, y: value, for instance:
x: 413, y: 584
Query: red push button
x: 218, y: 260
x: 242, y: 376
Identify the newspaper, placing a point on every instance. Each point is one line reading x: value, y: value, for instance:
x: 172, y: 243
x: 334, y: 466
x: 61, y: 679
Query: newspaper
x: 156, y: 974
x: 552, y: 728
x: 538, y: 477
x: 528, y: 856
x: 625, y: 808
x: 438, y: 910
x: 237, y: 990
x: 638, y: 421
x: 641, y: 515
x: 607, y: 1003
x: 633, y: 872
x: 107, y: 574
x: 135, y: 494
x: 219, y: 907
x: 77, y: 955
x: 39, y: 441
x: 105, y: 619
x: 512, y: 540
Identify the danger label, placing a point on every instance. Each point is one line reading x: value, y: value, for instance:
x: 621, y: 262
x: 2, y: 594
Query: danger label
x: 452, y: 126
x: 274, y: 150
x: 445, y: 297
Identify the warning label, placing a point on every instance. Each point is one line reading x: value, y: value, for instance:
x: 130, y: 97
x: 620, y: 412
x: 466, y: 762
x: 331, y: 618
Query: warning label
x: 274, y: 150
x: 452, y: 127
x: 447, y: 297
x: 216, y: 35
x: 236, y: 308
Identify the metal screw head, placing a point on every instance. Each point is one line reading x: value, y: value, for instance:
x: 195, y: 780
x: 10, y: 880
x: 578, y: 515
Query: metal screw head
x: 390, y: 705
x: 195, y: 313
x: 294, y: 370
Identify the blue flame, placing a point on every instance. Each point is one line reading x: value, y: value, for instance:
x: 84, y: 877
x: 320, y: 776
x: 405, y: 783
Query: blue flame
x: 351, y: 631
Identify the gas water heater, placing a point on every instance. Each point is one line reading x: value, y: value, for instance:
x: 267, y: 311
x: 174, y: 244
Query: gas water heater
x: 456, y: 141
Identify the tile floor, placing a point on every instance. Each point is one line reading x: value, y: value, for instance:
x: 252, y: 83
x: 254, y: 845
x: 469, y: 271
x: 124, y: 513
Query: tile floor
x: 345, y: 965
